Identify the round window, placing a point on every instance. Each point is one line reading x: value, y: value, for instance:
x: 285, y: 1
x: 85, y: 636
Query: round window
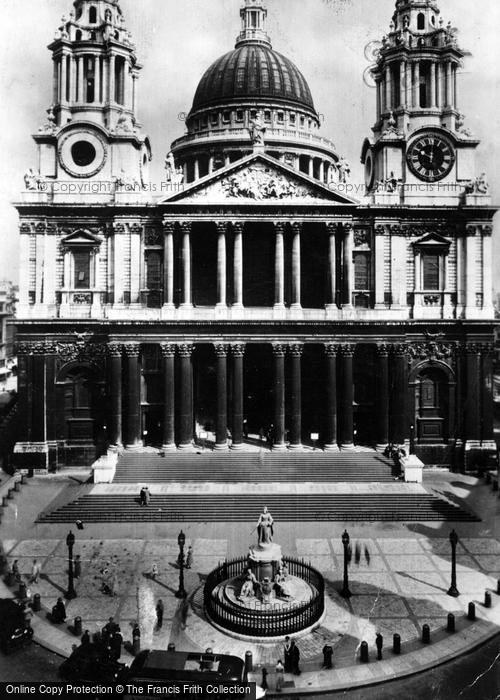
x: 83, y: 153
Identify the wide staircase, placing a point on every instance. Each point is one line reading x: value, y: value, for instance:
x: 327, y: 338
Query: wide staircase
x: 254, y: 467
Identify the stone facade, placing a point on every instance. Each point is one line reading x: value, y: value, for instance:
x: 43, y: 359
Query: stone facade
x: 253, y: 288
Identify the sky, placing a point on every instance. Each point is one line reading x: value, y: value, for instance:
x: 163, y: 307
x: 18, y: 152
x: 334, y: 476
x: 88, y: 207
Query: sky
x: 177, y: 41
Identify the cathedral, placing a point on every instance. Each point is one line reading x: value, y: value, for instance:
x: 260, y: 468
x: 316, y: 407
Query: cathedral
x: 249, y: 295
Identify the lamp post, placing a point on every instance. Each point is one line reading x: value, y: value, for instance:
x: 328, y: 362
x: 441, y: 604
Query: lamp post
x: 412, y: 439
x: 181, y: 540
x: 453, y: 590
x: 70, y: 541
x: 345, y: 592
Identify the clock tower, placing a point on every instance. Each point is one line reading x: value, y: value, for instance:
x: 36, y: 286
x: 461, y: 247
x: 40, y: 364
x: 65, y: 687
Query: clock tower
x: 91, y: 131
x: 421, y: 150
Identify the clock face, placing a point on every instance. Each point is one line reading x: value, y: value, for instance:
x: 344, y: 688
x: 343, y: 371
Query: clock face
x: 82, y: 152
x: 431, y: 157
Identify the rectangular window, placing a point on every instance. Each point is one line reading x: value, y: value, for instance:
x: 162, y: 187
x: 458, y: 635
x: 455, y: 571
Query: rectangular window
x: 292, y: 118
x: 281, y: 117
x: 431, y: 276
x: 239, y: 115
x: 362, y: 271
x: 82, y: 269
x: 267, y: 115
x: 226, y: 117
x: 214, y: 118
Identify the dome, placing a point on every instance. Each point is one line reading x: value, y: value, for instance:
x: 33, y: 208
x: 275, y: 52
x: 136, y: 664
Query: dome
x: 253, y: 70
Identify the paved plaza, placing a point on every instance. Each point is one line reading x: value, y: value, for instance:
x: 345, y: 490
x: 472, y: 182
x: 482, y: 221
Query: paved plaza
x: 399, y: 576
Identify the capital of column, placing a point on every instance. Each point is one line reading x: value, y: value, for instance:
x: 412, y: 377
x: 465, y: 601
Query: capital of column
x: 347, y: 227
x: 168, y: 227
x: 279, y: 350
x: 296, y: 349
x: 238, y: 349
x: 332, y: 227
x: 221, y: 350
x: 167, y: 349
x: 331, y: 349
x: 23, y: 348
x: 185, y: 349
x: 279, y: 226
x: 237, y: 226
x: 185, y: 226
x: 400, y: 349
x: 115, y: 349
x: 347, y: 349
x: 132, y: 349
x: 297, y: 226
x: 221, y: 226
x: 382, y: 349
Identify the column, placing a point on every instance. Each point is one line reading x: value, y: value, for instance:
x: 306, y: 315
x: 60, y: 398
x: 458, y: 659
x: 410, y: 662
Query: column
x: 348, y: 264
x: 168, y: 264
x: 408, y: 86
x: 185, y: 352
x: 416, y: 85
x: 237, y: 353
x: 417, y: 297
x: 295, y: 352
x: 332, y: 266
x: 439, y: 84
x: 346, y: 418
x: 238, y: 265
x: 221, y: 420
x: 55, y: 79
x: 111, y: 64
x: 379, y: 267
x: 168, y: 362
x: 135, y: 92
x: 196, y: 169
x: 382, y: 397
x: 115, y: 390
x: 455, y: 87
x: 227, y: 160
x: 487, y: 268
x: 80, y: 80
x: 133, y: 415
x: 402, y: 84
x: 64, y: 78
x: 432, y: 86
x: 388, y: 89
x: 398, y: 420
x: 470, y: 270
x: 471, y: 397
x: 379, y: 106
x: 311, y: 167
x: 296, y: 266
x: 186, y: 265
x: 97, y: 79
x: 321, y: 170
x: 105, y: 80
x: 279, y: 267
x: 211, y: 163
x: 279, y: 396
x: 24, y: 276
x: 221, y: 264
x: 449, y: 98
x: 331, y: 350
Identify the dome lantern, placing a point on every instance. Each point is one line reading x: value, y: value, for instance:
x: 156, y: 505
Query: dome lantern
x: 253, y: 19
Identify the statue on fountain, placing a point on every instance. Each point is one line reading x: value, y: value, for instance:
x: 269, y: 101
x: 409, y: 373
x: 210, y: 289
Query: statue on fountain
x: 265, y: 530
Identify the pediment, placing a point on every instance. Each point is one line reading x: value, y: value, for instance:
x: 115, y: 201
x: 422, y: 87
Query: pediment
x: 81, y: 238
x: 258, y: 178
x: 432, y: 240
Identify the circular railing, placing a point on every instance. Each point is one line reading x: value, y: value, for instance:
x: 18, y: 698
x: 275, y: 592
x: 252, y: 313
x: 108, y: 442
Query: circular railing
x: 274, y: 621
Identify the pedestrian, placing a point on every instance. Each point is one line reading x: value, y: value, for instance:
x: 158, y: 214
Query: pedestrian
x: 78, y: 566
x: 79, y: 524
x: 115, y: 643
x: 287, y: 655
x: 147, y: 496
x: 367, y: 555
x: 263, y: 684
x: 159, y: 614
x: 59, y: 612
x: 379, y: 643
x: 109, y: 628
x: 154, y: 571
x: 295, y: 656
x: 85, y: 639
x: 357, y: 553
x: 35, y: 571
x: 189, y: 557
x: 327, y: 656
x: 142, y: 496
x: 15, y: 570
x: 280, y: 675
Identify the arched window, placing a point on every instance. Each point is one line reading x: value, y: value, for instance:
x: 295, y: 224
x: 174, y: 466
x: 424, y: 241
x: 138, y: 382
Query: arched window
x: 108, y: 16
x: 92, y: 15
x: 420, y: 20
x: 120, y: 80
x: 78, y: 35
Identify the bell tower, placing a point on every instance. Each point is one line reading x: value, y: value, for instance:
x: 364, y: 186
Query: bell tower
x: 92, y: 130
x: 420, y: 147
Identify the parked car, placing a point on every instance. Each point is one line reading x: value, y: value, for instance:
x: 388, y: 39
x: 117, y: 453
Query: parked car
x: 15, y: 629
x: 86, y: 663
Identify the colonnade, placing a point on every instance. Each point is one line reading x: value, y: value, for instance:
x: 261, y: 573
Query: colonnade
x: 442, y: 86
x: 178, y: 407
x: 342, y: 230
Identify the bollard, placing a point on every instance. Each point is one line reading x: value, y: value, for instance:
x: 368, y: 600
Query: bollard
x: 171, y: 647
x: 487, y: 599
x: 37, y: 605
x: 426, y: 634
x: 78, y: 626
x: 488, y: 477
x: 495, y: 485
x: 248, y: 662
x: 396, y: 644
x: 21, y: 593
x: 263, y: 684
x: 17, y: 486
x: 364, y: 652
x: 451, y: 623
x: 471, y: 613
x: 10, y: 493
x: 23, y: 479
x: 136, y: 640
